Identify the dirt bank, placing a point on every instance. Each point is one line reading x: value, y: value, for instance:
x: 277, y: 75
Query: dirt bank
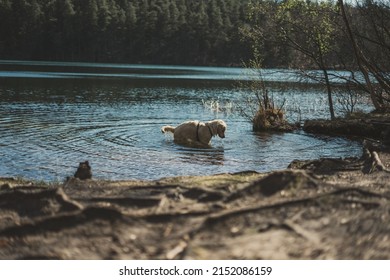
x: 324, y: 209
x: 372, y: 125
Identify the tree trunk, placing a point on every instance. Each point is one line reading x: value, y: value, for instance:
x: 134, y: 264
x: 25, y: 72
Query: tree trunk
x: 360, y: 59
x: 329, y: 89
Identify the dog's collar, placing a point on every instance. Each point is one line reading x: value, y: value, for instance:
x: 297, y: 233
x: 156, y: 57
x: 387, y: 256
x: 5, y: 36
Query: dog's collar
x: 197, y: 131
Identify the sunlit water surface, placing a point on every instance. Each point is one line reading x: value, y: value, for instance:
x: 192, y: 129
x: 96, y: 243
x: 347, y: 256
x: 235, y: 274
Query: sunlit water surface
x: 53, y: 116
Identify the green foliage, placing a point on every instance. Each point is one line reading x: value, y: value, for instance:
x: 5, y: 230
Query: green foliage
x: 312, y: 20
x: 147, y: 31
x: 197, y: 32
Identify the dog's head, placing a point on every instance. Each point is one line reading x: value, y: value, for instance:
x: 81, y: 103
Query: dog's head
x: 218, y: 127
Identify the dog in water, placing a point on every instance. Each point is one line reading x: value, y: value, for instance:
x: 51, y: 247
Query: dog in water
x: 196, y: 132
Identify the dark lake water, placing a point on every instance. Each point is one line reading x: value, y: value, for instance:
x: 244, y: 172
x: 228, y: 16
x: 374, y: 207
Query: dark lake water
x: 55, y: 115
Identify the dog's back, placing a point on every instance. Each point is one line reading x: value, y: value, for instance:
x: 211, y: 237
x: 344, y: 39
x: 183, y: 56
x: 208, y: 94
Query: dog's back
x: 191, y: 132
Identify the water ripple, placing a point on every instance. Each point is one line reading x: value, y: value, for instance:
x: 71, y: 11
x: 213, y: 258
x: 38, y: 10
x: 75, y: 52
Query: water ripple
x: 47, y: 128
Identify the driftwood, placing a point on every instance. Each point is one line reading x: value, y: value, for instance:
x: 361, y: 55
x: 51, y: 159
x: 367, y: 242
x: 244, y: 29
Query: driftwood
x: 372, y: 162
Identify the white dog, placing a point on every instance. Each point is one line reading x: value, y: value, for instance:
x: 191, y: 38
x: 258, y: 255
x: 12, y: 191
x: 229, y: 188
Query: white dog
x: 196, y: 132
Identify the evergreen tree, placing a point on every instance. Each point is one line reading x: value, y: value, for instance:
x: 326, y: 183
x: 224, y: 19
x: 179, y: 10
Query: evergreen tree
x: 202, y: 32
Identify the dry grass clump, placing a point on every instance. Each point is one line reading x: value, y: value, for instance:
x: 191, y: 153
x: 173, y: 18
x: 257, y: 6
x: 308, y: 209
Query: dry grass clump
x: 267, y: 118
x: 271, y: 118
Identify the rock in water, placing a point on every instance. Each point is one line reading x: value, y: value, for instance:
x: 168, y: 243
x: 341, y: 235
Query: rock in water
x: 84, y: 171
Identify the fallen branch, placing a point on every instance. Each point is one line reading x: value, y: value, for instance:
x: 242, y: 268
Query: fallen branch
x: 178, y: 250
x: 378, y: 163
x: 310, y: 236
x: 373, y: 163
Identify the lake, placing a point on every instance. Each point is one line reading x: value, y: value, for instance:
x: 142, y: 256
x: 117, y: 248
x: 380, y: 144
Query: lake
x: 55, y: 115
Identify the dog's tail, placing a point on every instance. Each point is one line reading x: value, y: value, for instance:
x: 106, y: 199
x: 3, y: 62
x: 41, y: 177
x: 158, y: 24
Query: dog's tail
x: 168, y: 128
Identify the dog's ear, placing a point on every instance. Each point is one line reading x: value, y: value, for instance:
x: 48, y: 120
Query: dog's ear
x: 220, y: 124
x: 223, y: 124
x: 221, y: 128
x: 214, y: 127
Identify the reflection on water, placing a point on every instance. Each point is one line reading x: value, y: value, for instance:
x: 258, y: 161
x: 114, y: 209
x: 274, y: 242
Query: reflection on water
x: 48, y: 126
x: 209, y: 156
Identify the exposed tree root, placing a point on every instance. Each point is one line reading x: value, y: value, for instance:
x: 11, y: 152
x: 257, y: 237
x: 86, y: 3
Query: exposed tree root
x: 287, y: 203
